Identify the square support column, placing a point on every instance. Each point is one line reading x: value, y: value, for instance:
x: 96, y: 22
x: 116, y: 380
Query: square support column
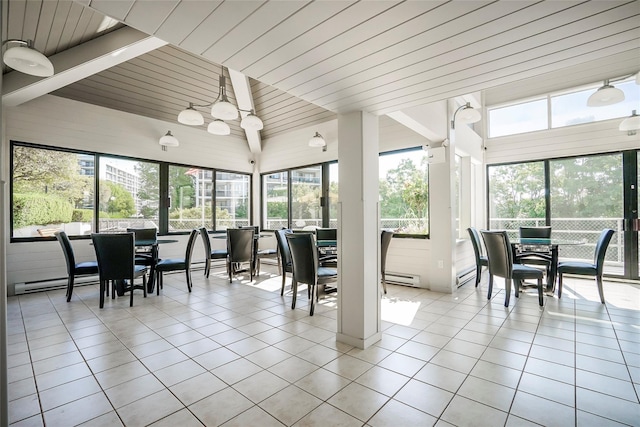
x: 358, y: 230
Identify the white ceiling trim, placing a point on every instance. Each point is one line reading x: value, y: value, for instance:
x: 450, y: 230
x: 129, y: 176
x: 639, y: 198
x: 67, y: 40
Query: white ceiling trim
x: 244, y: 98
x: 78, y: 63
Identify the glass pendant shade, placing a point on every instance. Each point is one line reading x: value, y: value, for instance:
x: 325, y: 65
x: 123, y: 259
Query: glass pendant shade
x: 169, y: 140
x: 28, y: 60
x: 468, y: 115
x: 631, y: 123
x: 317, y: 141
x: 191, y: 117
x: 606, y: 95
x: 218, y: 127
x: 251, y: 122
x: 224, y: 110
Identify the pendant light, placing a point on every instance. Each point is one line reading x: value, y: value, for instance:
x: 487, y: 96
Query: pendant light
x: 26, y: 59
x: 605, y: 95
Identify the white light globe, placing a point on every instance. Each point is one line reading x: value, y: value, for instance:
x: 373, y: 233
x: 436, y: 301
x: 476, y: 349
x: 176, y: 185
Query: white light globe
x: 218, y: 127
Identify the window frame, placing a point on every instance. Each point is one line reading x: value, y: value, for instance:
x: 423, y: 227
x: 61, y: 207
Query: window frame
x: 163, y: 184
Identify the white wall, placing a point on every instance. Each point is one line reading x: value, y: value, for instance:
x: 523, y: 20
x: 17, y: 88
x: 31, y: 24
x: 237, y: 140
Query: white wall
x: 61, y: 122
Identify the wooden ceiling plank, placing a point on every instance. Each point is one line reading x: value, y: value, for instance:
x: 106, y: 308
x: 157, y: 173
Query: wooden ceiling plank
x: 32, y: 12
x: 252, y: 28
x: 81, y: 29
x: 70, y: 26
x: 4, y: 29
x: 353, y: 40
x: 267, y: 69
x: 16, y: 18
x: 528, y: 49
x: 57, y: 26
x: 149, y: 19
x: 217, y: 24
x: 591, y: 52
x: 292, y: 28
x: 174, y: 30
x: 95, y: 19
x: 45, y: 21
x: 443, y: 39
x: 115, y: 9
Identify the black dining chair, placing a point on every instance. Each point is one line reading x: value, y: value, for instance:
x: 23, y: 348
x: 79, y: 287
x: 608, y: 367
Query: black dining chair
x: 481, y: 258
x: 306, y: 268
x: 177, y: 264
x: 536, y: 258
x: 284, y: 254
x: 74, y: 269
x: 240, y: 250
x: 588, y: 269
x: 146, y: 255
x: 116, y: 262
x: 211, y: 254
x: 385, y: 241
x: 500, y: 256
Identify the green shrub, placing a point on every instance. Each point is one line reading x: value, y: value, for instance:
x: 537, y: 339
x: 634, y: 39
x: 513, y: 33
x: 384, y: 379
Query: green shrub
x: 40, y: 209
x: 82, y: 215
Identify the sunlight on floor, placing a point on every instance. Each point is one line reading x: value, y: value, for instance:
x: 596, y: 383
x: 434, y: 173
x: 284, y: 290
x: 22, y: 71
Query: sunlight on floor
x: 401, y: 312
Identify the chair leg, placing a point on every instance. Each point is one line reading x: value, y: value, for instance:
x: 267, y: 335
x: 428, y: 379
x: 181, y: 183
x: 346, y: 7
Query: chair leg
x: 188, y: 273
x: 70, y: 287
x: 158, y: 281
x: 294, y: 290
x: 207, y: 267
x: 478, y: 274
x: 144, y: 285
x: 314, y: 296
x: 258, y: 267
x: 131, y: 291
x: 490, y: 286
x: 559, y: 285
x: 507, y: 287
x: 229, y: 271
x: 517, y: 284
x: 600, y: 288
x: 384, y: 283
x: 540, y: 294
x: 284, y: 278
x: 102, y: 286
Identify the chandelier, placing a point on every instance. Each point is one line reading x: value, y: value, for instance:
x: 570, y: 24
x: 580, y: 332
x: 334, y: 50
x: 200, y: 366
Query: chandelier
x: 221, y: 110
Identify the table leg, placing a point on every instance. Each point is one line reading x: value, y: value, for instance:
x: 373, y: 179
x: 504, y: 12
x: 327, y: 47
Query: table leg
x: 553, y: 270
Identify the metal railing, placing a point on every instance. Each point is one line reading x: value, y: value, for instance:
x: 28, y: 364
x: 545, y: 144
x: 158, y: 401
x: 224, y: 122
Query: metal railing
x: 386, y: 223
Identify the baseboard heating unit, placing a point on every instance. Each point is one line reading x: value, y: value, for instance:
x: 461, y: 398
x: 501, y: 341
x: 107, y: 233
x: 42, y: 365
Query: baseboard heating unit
x: 406, y: 279
x: 52, y: 284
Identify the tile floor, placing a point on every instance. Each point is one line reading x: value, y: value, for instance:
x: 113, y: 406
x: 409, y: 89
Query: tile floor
x: 237, y: 355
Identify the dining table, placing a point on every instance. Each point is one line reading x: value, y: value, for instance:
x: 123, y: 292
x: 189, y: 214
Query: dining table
x: 525, y: 247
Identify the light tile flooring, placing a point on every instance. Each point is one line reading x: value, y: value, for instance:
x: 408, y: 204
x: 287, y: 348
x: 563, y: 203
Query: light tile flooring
x: 237, y: 355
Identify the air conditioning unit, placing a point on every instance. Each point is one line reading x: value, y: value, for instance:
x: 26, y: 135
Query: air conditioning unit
x: 407, y: 279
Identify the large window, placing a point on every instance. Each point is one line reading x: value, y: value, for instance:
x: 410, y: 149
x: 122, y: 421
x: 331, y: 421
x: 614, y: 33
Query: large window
x: 404, y: 191
x: 128, y: 194
x: 190, y: 195
x: 275, y: 200
x: 232, y: 200
x: 52, y: 190
x: 585, y: 197
x: 306, y: 189
x: 80, y: 193
x: 559, y: 110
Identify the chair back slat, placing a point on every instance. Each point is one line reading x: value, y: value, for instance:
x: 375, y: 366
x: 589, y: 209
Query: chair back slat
x: 115, y: 254
x: 240, y: 244
x: 601, y: 249
x: 67, y: 249
x: 385, y: 241
x: 535, y: 232
x: 191, y: 244
x: 304, y: 256
x: 475, y: 241
x: 499, y: 253
x: 283, y: 245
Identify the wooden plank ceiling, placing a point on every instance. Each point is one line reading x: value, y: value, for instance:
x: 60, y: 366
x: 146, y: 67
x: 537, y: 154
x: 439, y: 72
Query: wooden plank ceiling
x: 309, y: 60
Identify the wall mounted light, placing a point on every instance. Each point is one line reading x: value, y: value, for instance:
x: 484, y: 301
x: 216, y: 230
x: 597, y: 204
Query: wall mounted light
x: 631, y: 124
x: 465, y: 114
x: 168, y: 140
x: 26, y: 59
x: 605, y: 95
x: 221, y: 109
x: 317, y: 141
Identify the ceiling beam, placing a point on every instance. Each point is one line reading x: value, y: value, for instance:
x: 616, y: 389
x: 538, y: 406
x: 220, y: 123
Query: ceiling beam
x: 244, y: 98
x: 77, y: 63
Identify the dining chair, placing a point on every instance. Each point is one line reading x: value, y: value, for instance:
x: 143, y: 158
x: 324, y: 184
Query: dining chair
x: 211, y: 254
x: 481, y: 258
x: 306, y: 268
x: 177, y: 264
x: 536, y: 258
x: 385, y: 241
x: 284, y: 254
x: 240, y: 250
x: 588, y: 269
x: 146, y: 255
x: 74, y: 269
x: 116, y: 262
x: 500, y: 257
